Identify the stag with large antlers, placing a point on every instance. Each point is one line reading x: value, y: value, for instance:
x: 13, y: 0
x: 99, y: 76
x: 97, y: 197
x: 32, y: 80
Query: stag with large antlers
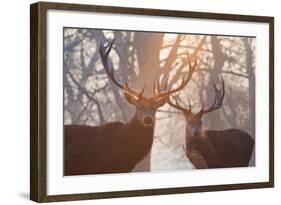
x: 117, y: 147
x: 214, y: 148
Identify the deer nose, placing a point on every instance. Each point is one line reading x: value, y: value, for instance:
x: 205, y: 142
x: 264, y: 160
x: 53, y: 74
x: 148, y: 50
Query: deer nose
x: 147, y: 120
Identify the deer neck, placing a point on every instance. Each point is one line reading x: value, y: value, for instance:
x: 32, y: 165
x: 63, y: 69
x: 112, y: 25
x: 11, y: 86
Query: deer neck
x: 138, y: 127
x: 140, y: 135
x: 190, y: 139
x: 188, y: 136
x: 139, y: 138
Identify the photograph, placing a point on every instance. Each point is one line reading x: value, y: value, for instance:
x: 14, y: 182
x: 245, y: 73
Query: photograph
x: 147, y: 101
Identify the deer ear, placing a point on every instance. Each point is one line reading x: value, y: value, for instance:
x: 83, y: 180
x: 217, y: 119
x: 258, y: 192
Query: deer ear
x: 131, y: 99
x: 161, y: 102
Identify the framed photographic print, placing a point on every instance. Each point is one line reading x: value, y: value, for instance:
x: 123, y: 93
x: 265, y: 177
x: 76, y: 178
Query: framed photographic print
x: 133, y: 102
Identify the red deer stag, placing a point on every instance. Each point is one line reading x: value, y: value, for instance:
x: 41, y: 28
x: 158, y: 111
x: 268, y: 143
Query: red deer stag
x: 214, y: 148
x: 116, y: 147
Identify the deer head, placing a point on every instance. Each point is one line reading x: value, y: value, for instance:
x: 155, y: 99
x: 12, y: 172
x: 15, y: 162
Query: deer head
x: 145, y: 106
x: 194, y: 121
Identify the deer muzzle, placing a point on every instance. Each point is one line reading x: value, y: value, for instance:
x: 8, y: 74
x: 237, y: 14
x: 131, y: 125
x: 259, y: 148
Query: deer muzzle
x: 148, y: 121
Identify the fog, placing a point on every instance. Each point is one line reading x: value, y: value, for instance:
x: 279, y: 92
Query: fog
x: 140, y: 58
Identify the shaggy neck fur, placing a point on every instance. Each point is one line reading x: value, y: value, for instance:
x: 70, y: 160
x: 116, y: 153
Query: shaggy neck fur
x: 139, y: 137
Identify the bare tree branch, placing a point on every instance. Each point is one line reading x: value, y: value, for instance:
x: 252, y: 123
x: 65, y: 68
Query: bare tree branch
x: 225, y: 72
x: 88, y: 96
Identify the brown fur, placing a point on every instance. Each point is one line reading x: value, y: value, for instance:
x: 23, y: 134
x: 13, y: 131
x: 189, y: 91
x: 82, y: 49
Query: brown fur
x: 111, y: 148
x: 224, y: 148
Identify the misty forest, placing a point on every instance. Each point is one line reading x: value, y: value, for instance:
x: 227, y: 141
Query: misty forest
x: 140, y: 58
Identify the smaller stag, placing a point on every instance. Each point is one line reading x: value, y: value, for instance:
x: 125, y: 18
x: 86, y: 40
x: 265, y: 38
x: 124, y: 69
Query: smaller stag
x: 117, y: 147
x: 214, y: 148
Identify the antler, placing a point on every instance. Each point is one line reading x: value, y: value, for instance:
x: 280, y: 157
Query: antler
x: 104, y: 52
x: 185, y: 80
x: 217, y: 101
x: 178, y: 106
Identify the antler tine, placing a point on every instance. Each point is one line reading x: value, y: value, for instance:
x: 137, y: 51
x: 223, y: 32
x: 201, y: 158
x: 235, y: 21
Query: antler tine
x: 189, y: 105
x: 158, y: 86
x: 154, y: 87
x: 178, y: 106
x: 135, y: 94
x: 218, y: 101
x: 165, y: 81
x: 104, y: 51
x: 141, y: 93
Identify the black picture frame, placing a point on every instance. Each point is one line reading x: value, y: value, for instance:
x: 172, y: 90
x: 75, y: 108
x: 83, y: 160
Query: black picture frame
x: 38, y: 100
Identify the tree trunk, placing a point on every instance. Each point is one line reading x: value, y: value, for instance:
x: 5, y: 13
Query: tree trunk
x: 212, y: 120
x: 148, y: 47
x: 251, y: 74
